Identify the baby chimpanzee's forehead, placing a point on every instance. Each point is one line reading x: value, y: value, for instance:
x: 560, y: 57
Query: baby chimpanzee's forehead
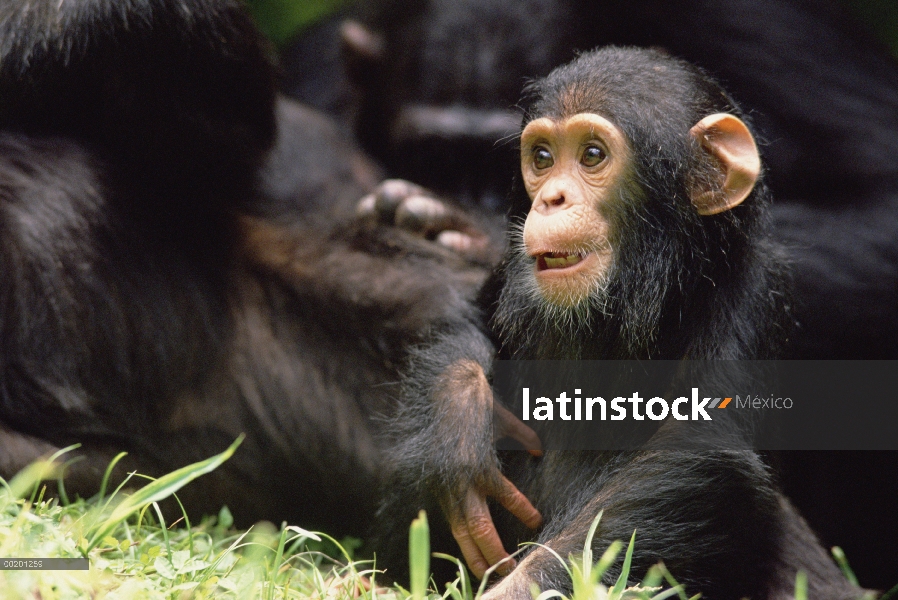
x: 627, y: 84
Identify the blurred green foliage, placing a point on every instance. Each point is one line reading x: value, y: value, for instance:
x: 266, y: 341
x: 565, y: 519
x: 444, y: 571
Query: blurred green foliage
x: 280, y: 20
x: 881, y: 16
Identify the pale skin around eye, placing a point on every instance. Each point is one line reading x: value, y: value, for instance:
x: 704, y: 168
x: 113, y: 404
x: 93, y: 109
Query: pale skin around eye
x: 573, y: 170
x: 570, y: 168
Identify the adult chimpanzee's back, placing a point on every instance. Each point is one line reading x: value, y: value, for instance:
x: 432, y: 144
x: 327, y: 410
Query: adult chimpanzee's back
x: 180, y: 263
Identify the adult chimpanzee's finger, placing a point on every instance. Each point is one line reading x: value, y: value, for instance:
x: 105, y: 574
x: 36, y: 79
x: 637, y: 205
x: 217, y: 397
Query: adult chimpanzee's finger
x: 366, y: 207
x: 461, y: 242
x: 410, y: 207
x: 477, y: 537
x: 427, y: 215
x: 517, y: 504
x: 508, y: 425
x: 423, y: 214
x: 390, y: 194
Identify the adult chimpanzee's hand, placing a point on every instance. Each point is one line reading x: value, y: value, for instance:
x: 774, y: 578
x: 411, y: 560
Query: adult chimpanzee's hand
x: 414, y: 209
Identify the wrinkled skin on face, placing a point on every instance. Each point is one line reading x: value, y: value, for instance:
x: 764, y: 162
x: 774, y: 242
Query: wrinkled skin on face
x: 574, y: 172
x: 571, y: 172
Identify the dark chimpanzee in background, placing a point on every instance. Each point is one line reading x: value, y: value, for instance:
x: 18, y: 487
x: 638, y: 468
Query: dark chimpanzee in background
x: 177, y: 265
x: 430, y: 87
x: 642, y: 235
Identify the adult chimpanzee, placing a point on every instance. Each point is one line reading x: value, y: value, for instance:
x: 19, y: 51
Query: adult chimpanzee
x: 642, y: 235
x: 177, y: 267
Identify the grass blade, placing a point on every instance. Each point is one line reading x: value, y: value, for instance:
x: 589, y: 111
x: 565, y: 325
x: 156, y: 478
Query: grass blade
x: 158, y: 490
x: 107, y: 474
x: 842, y: 561
x: 621, y: 583
x: 419, y: 556
x: 801, y: 586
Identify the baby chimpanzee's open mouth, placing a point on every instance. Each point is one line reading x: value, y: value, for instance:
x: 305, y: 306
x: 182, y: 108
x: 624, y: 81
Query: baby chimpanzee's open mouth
x: 558, y: 260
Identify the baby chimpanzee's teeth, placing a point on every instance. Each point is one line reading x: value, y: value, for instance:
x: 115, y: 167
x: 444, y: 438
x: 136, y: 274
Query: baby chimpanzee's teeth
x: 560, y: 260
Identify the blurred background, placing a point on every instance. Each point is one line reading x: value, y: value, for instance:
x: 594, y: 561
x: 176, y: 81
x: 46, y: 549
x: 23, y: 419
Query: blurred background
x: 281, y: 20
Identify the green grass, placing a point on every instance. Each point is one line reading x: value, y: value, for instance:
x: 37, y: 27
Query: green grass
x: 280, y: 20
x: 134, y: 553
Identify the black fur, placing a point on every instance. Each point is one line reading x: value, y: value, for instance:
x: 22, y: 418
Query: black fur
x: 178, y: 264
x: 682, y: 286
